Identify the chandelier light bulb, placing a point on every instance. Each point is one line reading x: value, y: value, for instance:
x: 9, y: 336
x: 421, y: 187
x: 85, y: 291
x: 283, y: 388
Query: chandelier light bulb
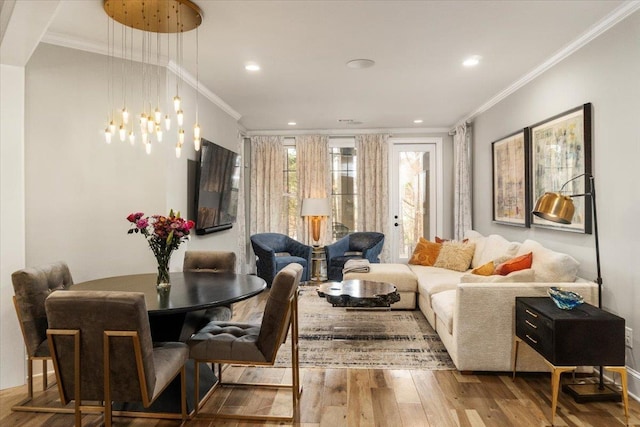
x: 196, y: 143
x: 123, y: 133
x: 148, y: 147
x: 167, y: 122
x: 196, y: 131
x: 176, y: 103
x: 112, y: 127
x: 132, y: 137
x: 125, y: 116
x: 158, y: 116
x: 145, y: 138
x: 107, y: 135
x: 180, y: 117
x: 159, y: 133
x: 151, y: 126
x: 178, y: 150
x: 181, y: 136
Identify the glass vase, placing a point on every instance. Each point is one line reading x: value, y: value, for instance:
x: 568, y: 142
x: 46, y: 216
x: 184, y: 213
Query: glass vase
x: 163, y: 280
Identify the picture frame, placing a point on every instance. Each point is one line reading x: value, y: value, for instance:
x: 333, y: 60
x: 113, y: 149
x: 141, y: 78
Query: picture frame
x: 560, y: 152
x: 510, y: 163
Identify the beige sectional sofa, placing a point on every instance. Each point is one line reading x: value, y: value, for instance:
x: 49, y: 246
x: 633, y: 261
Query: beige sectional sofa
x: 474, y: 315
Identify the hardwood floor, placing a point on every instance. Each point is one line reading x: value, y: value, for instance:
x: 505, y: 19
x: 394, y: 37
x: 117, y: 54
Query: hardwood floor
x: 371, y: 397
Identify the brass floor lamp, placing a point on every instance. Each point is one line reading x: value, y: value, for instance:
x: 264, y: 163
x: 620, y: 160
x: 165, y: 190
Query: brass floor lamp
x: 559, y: 208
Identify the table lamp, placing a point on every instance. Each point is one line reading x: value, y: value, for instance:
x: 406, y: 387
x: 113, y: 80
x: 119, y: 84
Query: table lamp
x: 559, y: 208
x: 316, y: 208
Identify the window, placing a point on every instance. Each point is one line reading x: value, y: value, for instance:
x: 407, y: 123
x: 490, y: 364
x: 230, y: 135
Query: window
x: 291, y: 190
x: 343, y: 190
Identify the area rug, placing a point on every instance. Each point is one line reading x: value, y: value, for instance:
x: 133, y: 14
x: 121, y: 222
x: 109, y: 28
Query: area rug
x: 334, y: 337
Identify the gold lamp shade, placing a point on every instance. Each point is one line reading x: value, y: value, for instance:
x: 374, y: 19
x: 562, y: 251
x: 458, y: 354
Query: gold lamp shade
x: 555, y: 207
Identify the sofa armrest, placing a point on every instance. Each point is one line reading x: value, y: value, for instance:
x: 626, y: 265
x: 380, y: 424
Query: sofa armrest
x: 484, y: 320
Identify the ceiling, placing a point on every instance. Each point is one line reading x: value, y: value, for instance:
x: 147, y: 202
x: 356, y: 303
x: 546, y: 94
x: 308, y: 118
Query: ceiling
x: 418, y: 48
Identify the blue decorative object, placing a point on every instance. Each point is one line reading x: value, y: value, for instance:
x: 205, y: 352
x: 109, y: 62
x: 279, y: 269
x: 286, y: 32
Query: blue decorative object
x: 565, y: 300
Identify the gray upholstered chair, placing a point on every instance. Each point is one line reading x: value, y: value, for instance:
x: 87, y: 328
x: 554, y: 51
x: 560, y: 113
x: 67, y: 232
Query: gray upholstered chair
x: 96, y: 332
x: 212, y: 262
x: 31, y: 287
x: 274, y: 251
x: 249, y: 344
x: 359, y: 245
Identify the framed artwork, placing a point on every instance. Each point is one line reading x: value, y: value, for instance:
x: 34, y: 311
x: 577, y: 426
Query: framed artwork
x: 560, y: 151
x: 510, y: 160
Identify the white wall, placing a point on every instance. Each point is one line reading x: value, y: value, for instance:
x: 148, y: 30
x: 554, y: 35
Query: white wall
x: 606, y: 72
x: 80, y: 189
x: 12, y: 224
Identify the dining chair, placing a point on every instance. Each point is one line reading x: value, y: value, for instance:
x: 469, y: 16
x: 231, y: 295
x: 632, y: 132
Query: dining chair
x: 254, y: 345
x: 211, y: 262
x: 32, y: 286
x: 274, y: 251
x: 102, y: 351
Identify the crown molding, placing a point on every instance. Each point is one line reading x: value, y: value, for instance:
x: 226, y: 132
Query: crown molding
x: 87, y: 46
x: 599, y: 28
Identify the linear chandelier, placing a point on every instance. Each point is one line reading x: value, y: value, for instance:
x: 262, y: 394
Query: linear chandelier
x: 159, y: 17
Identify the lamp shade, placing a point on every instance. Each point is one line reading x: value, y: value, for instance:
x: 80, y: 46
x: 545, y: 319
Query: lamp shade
x: 555, y: 207
x: 316, y: 207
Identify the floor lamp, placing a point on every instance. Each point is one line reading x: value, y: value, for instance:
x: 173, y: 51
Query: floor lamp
x: 559, y: 208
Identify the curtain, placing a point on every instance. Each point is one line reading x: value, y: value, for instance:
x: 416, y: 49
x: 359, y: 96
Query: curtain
x: 372, y: 181
x: 241, y: 259
x: 267, y: 185
x: 314, y: 180
x: 462, y: 181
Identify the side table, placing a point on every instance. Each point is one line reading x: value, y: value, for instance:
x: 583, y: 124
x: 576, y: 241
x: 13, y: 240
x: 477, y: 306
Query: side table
x: 566, y: 339
x: 318, y: 264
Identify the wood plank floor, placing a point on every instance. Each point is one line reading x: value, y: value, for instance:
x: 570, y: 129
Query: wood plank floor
x: 371, y: 397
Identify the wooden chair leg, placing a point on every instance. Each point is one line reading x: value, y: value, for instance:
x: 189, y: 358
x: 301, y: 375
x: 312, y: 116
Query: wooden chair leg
x: 44, y: 375
x: 196, y: 384
x: 183, y: 394
x: 30, y: 378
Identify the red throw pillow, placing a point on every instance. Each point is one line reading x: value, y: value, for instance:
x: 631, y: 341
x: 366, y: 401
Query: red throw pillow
x: 514, y: 264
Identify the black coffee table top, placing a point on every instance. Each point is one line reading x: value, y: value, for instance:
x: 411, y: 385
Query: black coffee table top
x: 359, y: 293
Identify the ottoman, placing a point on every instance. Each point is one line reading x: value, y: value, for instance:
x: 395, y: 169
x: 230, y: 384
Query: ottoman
x: 399, y: 275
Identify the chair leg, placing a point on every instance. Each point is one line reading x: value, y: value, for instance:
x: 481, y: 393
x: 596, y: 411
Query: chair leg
x: 30, y: 378
x: 196, y: 385
x: 183, y: 394
x: 44, y: 375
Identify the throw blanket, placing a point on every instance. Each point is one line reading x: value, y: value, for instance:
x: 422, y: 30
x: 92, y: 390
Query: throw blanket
x: 356, y: 265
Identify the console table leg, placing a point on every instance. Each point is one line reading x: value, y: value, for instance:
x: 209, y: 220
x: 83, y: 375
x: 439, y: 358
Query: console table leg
x: 623, y: 380
x: 516, y: 342
x: 556, y: 371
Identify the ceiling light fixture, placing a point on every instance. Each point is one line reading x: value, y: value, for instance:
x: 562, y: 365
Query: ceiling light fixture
x: 150, y: 16
x: 471, y: 61
x: 361, y: 63
x: 252, y: 67
x: 418, y: 121
x: 292, y: 123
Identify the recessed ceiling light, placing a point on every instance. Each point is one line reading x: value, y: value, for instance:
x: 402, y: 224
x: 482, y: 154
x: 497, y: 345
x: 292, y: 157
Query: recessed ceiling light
x: 292, y: 123
x: 418, y: 121
x: 252, y: 67
x: 361, y: 63
x: 471, y: 61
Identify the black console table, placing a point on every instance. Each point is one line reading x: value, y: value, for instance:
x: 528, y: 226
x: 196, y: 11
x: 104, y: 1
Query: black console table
x: 566, y: 339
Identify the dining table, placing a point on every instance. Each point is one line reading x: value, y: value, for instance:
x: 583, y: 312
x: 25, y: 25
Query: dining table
x: 176, y: 313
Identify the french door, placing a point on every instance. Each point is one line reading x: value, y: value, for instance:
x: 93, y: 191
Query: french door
x: 415, y: 194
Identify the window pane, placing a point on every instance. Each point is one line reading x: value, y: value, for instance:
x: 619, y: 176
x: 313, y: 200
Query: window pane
x: 291, y: 191
x: 343, y: 191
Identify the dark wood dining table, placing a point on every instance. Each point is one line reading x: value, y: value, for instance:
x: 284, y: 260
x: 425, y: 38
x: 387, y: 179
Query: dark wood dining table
x: 175, y: 314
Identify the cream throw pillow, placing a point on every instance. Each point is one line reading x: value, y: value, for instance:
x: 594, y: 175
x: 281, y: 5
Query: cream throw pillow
x: 474, y: 237
x: 550, y: 266
x: 455, y: 255
x: 497, y: 246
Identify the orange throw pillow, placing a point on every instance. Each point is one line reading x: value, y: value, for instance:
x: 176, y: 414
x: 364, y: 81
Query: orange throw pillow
x: 425, y: 253
x: 484, y: 270
x: 515, y: 264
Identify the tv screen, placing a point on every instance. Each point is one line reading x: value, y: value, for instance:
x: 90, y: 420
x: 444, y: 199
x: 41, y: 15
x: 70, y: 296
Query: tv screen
x: 217, y: 187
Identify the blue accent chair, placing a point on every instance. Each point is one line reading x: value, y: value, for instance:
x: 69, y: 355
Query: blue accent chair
x: 274, y: 251
x: 358, y: 245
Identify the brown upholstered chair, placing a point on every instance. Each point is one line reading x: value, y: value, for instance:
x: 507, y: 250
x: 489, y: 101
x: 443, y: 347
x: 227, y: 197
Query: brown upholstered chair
x: 31, y: 287
x: 96, y: 332
x: 212, y: 262
x: 248, y: 344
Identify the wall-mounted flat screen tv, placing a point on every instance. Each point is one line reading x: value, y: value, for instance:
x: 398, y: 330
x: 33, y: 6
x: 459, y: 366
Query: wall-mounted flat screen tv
x: 217, y: 188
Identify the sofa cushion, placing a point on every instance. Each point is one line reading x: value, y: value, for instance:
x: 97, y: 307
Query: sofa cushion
x: 496, y: 246
x: 514, y: 264
x: 432, y: 280
x: 425, y: 252
x: 520, y: 276
x: 443, y: 304
x: 550, y: 266
x: 455, y: 255
x: 480, y: 240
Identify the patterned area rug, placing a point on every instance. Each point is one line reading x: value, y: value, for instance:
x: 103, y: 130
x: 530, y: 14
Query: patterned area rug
x: 332, y: 337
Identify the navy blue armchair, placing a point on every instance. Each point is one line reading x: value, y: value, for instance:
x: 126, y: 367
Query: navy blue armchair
x: 359, y: 245
x: 275, y: 251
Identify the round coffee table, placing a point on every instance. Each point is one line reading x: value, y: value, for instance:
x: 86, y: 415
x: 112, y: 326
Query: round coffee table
x: 359, y: 293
